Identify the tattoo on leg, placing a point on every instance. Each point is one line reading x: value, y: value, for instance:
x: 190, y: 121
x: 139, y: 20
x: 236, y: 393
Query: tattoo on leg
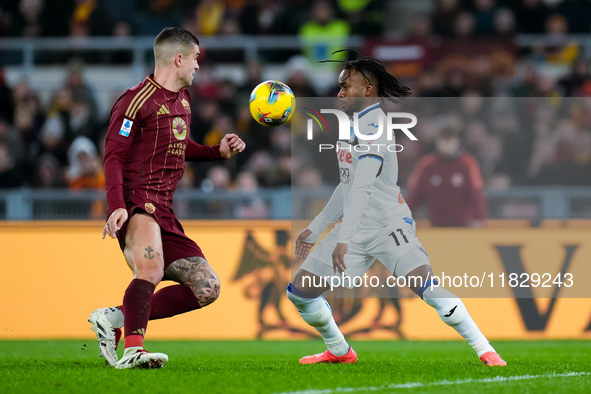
x: 197, y: 274
x: 148, y: 253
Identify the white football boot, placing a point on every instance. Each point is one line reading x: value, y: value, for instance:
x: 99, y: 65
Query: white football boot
x: 107, y: 334
x: 137, y: 357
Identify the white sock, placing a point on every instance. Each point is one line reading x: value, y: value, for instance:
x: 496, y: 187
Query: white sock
x: 317, y: 313
x: 453, y: 312
x: 470, y: 331
x: 334, y: 339
x: 115, y: 316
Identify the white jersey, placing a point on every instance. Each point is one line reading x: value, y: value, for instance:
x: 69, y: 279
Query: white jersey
x: 367, y: 197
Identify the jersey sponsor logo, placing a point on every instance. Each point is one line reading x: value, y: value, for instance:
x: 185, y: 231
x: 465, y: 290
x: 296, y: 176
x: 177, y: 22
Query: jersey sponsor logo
x: 150, y: 208
x: 345, y: 157
x: 345, y: 175
x: 125, y: 127
x: 179, y: 128
x: 163, y: 110
x: 176, y: 148
x: 186, y: 105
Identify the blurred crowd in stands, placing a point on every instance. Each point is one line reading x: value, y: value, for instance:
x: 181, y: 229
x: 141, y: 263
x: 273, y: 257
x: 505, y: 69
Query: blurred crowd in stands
x: 40, y: 18
x: 466, y: 50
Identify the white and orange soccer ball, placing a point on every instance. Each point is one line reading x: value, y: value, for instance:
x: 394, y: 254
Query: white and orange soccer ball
x: 271, y: 103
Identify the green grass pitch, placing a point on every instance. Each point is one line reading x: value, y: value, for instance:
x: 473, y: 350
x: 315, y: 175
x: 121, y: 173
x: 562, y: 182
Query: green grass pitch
x: 72, y: 366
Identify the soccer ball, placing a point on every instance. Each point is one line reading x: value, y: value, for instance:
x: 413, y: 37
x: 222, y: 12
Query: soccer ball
x: 271, y: 103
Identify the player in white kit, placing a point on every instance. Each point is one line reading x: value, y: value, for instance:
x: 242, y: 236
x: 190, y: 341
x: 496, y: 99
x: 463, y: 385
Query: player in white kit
x: 376, y: 224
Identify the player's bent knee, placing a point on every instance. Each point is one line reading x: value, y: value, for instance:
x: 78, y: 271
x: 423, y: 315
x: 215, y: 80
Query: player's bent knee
x: 151, y: 274
x: 449, y: 307
x: 152, y: 271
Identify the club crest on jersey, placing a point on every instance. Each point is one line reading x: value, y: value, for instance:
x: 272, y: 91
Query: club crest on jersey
x: 150, y: 208
x: 126, y: 127
x: 179, y: 128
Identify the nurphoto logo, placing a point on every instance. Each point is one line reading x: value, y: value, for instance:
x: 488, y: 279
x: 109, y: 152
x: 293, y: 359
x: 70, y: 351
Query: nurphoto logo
x: 349, y: 129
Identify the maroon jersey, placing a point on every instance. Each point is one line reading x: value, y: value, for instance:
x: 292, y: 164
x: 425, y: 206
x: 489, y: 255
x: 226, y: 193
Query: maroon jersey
x: 146, y: 147
x: 453, y: 189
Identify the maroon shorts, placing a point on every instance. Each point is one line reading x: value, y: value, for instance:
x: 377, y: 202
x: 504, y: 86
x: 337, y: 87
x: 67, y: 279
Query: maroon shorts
x: 175, y: 244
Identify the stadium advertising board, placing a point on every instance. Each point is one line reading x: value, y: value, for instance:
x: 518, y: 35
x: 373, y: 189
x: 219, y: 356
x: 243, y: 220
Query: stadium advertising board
x: 59, y: 272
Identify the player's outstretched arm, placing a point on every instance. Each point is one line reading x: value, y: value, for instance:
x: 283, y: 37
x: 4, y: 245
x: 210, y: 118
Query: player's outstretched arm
x: 228, y: 147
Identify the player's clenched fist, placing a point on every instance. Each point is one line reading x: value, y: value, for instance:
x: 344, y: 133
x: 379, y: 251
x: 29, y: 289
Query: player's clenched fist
x: 114, y: 223
x: 231, y: 145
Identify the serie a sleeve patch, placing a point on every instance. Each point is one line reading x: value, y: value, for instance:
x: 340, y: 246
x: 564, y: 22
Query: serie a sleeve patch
x: 126, y: 127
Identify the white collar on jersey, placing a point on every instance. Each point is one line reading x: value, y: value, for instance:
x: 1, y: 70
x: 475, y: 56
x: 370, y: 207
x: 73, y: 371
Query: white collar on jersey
x: 369, y: 108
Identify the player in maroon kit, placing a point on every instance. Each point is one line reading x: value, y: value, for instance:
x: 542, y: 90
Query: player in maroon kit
x: 450, y: 182
x: 146, y: 148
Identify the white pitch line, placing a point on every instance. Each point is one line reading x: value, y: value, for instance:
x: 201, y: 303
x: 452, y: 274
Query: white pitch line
x: 410, y: 385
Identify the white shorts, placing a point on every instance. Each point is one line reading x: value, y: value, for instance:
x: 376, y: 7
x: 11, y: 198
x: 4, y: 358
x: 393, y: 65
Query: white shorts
x: 386, y: 245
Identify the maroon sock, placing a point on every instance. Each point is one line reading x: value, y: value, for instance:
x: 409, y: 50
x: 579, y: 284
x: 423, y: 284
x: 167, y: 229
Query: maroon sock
x: 172, y: 300
x: 136, y: 303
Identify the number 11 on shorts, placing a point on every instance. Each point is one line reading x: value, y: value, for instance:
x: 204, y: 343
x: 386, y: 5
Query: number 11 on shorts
x: 393, y: 235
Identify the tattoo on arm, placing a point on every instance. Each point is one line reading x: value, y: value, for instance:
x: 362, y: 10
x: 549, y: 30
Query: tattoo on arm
x: 197, y: 274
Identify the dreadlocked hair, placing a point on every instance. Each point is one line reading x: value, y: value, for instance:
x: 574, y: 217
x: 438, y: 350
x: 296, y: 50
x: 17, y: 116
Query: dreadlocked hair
x: 388, y: 85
